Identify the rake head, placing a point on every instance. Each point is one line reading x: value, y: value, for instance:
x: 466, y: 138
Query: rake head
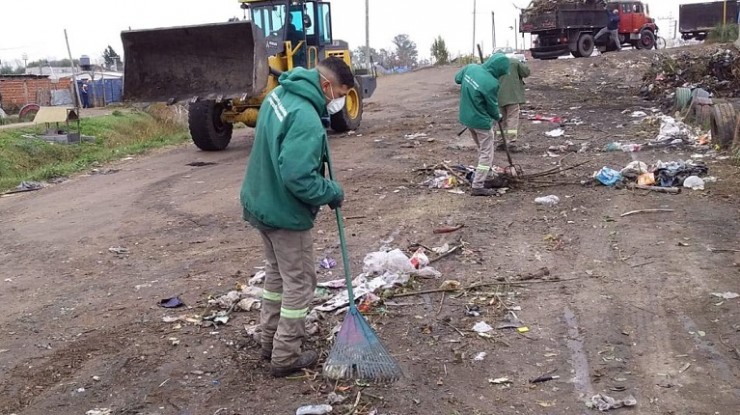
x: 359, y: 354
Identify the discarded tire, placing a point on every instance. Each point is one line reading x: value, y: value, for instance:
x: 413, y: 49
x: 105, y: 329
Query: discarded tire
x: 683, y: 97
x: 723, y: 124
x: 701, y: 112
x: 28, y: 112
x: 736, y: 141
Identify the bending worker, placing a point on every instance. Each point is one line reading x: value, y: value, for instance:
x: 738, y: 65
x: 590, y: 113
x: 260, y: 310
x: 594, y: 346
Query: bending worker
x: 511, y: 96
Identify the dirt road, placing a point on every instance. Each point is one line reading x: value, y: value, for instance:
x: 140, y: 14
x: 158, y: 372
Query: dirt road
x: 627, y: 308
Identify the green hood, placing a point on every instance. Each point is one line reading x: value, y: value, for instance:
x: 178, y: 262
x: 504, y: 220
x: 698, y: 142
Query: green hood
x: 305, y: 83
x: 497, y: 65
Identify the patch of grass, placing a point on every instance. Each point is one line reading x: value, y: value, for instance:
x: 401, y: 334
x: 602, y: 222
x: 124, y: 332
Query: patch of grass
x: 23, y: 158
x: 723, y: 33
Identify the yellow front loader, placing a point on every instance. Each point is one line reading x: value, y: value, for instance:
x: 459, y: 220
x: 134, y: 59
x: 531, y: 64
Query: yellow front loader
x: 225, y: 70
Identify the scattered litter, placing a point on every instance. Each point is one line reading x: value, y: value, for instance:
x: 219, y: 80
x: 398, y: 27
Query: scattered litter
x: 548, y: 201
x: 442, y: 180
x: 27, y: 187
x: 334, y: 398
x: 96, y: 378
x: 605, y: 403
x: 510, y: 321
x: 693, y: 183
x: 201, y: 163
x: 441, y: 249
x: 673, y: 132
x: 544, y: 378
x: 499, y: 381
x: 524, y: 329
x: 635, y: 212
x: 450, y: 285
x: 448, y: 229
x: 118, y: 250
x: 233, y: 299
x: 258, y: 278
x: 419, y: 259
x: 414, y: 136
x: 638, y: 114
x: 394, y: 261
x: 328, y: 263
x: 172, y: 302
x: 472, y: 310
x: 482, y: 327
x: 480, y: 356
x: 674, y: 173
x: 222, y: 319
x: 99, y: 411
x: 684, y: 368
x: 607, y: 176
x: 174, y: 341
x: 104, y: 171
x: 314, y: 410
x: 536, y: 119
x: 726, y: 295
x: 80, y: 390
x: 558, y: 132
x: 646, y: 179
x: 634, y: 169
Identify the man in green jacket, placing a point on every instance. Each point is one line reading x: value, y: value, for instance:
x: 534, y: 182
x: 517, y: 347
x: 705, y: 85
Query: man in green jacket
x: 511, y: 95
x: 283, y: 189
x: 479, y: 110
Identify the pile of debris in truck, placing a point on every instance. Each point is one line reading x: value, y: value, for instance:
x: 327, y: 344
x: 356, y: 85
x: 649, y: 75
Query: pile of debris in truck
x: 539, y: 6
x: 716, y: 71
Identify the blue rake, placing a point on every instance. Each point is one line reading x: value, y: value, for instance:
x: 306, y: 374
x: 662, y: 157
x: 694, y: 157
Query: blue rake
x: 357, y: 352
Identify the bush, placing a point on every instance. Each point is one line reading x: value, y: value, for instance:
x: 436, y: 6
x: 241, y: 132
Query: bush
x: 723, y: 33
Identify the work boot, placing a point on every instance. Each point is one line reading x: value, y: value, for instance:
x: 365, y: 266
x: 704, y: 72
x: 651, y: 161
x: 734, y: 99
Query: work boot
x: 266, y: 354
x: 305, y: 360
x: 484, y: 192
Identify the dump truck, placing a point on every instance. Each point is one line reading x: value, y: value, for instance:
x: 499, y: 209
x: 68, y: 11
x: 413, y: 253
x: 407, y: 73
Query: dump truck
x: 565, y: 27
x: 696, y: 20
x: 225, y: 70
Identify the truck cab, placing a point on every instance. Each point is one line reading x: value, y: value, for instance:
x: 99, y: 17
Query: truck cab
x: 636, y: 28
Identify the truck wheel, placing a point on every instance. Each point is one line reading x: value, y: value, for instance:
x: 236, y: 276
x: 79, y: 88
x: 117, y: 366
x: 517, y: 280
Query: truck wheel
x: 350, y: 116
x: 585, y: 45
x: 647, y: 40
x: 208, y: 130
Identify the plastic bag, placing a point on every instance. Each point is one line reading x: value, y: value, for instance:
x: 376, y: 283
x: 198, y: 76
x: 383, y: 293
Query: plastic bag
x: 607, y: 176
x: 419, y: 259
x: 393, y: 261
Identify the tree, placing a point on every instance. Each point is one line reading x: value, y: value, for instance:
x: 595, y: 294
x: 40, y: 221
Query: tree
x: 359, y: 56
x: 386, y: 58
x: 111, y: 58
x: 439, y: 51
x: 9, y: 70
x: 406, y: 52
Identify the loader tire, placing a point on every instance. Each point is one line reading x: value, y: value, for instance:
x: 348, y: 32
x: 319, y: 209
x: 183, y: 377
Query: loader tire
x: 208, y: 131
x: 349, y: 117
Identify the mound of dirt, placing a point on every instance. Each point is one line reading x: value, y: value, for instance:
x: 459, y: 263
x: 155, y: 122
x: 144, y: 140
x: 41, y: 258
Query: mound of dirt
x: 717, y: 71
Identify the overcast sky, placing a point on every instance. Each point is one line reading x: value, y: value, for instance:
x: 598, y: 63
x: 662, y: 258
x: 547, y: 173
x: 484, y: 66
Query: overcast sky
x: 37, y: 28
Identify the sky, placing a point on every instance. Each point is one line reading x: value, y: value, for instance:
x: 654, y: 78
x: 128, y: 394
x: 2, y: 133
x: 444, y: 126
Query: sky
x: 38, y: 30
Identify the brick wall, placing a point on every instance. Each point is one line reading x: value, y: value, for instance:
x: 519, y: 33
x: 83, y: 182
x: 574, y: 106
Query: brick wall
x: 18, y: 91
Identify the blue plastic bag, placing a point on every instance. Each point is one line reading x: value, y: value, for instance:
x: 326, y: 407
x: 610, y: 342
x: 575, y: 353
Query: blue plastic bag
x: 608, y: 177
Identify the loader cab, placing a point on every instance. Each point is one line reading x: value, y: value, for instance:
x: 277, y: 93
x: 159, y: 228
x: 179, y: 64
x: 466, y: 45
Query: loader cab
x: 298, y: 31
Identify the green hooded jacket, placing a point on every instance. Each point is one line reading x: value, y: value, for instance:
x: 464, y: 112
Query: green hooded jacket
x: 512, y: 84
x: 479, y: 92
x: 284, y: 184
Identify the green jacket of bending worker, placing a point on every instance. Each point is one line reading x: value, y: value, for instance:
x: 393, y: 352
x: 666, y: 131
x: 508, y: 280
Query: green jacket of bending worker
x: 479, y: 92
x: 479, y: 110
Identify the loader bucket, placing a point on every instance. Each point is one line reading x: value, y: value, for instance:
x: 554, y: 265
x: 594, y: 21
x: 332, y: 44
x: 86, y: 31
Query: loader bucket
x: 212, y: 61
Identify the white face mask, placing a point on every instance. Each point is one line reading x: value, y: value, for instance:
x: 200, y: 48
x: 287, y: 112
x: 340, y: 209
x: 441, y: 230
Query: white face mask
x: 336, y: 104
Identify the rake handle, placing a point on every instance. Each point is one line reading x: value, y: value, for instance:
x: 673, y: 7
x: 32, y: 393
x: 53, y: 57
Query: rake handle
x: 506, y: 145
x: 342, y: 238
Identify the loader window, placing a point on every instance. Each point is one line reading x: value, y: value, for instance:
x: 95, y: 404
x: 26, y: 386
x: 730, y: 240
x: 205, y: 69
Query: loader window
x: 310, y: 29
x: 270, y: 19
x: 324, y: 17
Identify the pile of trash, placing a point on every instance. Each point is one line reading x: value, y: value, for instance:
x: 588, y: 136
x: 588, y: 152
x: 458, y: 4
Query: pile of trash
x: 672, y: 133
x: 718, y: 73
x: 668, y: 176
x: 541, y: 6
x: 381, y: 271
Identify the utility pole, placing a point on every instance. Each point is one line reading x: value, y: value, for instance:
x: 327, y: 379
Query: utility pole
x: 474, y: 4
x: 74, y: 75
x: 516, y: 38
x: 493, y: 28
x: 367, y: 37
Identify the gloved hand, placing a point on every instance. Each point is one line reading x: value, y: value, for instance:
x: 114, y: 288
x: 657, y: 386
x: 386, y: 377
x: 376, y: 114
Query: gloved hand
x: 336, y: 203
